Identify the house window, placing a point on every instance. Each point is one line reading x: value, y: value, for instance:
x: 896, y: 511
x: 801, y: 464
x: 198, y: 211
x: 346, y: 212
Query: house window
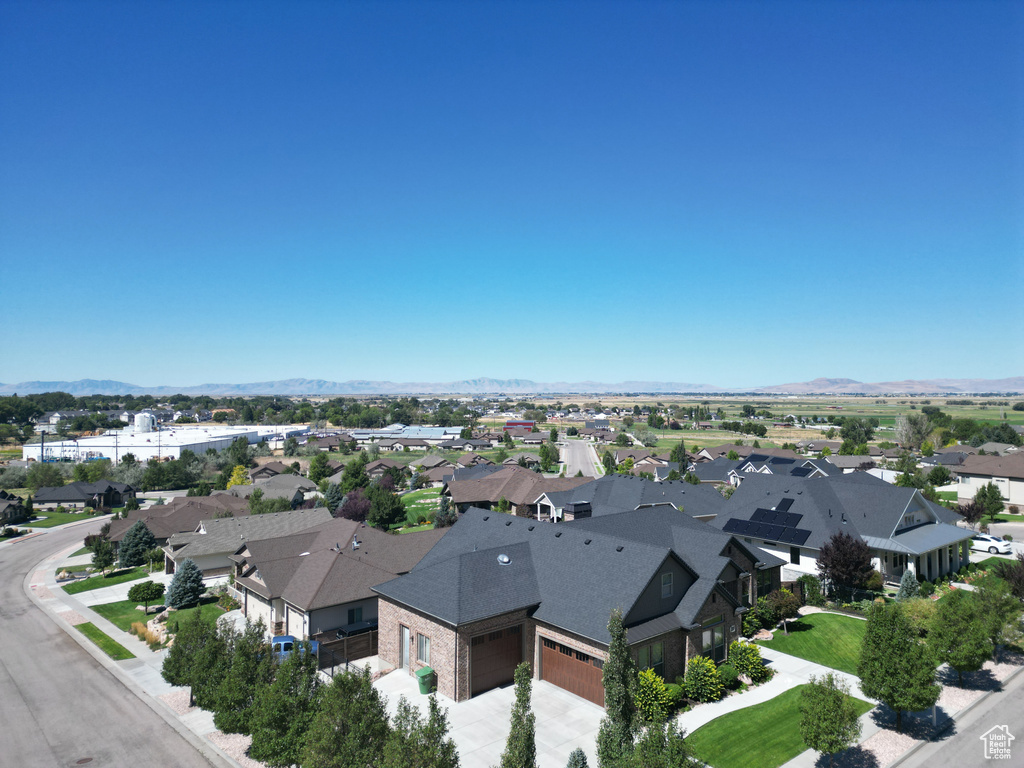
x: 794, y: 555
x: 652, y: 657
x: 355, y: 615
x: 423, y: 648
x: 764, y: 582
x: 666, y: 585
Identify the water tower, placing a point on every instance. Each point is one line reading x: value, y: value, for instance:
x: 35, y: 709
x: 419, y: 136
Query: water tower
x: 145, y: 422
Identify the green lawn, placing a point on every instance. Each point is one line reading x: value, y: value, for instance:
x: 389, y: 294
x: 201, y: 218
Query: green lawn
x: 99, y: 582
x: 51, y: 519
x: 82, y: 551
x: 776, y: 723
x: 421, y: 503
x: 108, y: 645
x: 824, y: 638
x: 414, y: 528
x: 122, y: 614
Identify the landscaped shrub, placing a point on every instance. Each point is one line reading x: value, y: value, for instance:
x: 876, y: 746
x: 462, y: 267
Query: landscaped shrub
x: 746, y: 659
x: 927, y: 589
x: 874, y: 582
x: 702, y: 680
x: 751, y: 623
x: 766, y: 610
x: 652, y: 699
x: 812, y: 590
x: 676, y: 694
x: 909, y: 588
x: 1007, y: 537
x: 730, y: 677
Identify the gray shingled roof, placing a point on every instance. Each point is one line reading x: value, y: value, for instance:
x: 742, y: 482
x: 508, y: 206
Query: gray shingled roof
x: 574, y: 573
x: 857, y: 503
x: 612, y: 494
x: 225, y: 534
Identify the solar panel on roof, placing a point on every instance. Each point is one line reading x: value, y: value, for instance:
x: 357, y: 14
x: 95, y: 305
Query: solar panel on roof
x: 784, y: 505
x: 758, y: 515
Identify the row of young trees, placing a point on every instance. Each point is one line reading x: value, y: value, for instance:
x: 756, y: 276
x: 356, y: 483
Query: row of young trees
x: 292, y: 717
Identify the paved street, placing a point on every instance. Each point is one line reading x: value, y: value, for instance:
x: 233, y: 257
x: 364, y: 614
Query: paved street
x: 58, y: 704
x: 579, y: 456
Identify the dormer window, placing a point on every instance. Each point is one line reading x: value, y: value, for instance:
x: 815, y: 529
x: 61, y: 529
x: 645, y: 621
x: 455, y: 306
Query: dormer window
x: 666, y: 585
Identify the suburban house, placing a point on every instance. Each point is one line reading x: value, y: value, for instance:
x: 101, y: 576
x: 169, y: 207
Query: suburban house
x: 517, y: 590
x: 523, y: 459
x: 12, y: 508
x: 742, y: 451
x: 817, y: 446
x: 213, y: 542
x: 431, y: 461
x: 793, y: 518
x: 1007, y: 472
x: 268, y: 470
x: 851, y: 463
x: 471, y: 460
x: 519, y: 486
x: 179, y: 515
x: 294, y: 495
x: 613, y: 494
x: 316, y: 583
x: 377, y: 468
x: 102, y: 493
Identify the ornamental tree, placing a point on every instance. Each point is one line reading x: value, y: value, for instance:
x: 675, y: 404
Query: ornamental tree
x: 844, y: 561
x: 146, y: 593
x: 829, y: 721
x: 895, y: 667
x: 958, y: 635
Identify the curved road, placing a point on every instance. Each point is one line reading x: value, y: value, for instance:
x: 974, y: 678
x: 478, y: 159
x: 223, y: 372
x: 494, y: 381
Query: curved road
x: 58, y: 705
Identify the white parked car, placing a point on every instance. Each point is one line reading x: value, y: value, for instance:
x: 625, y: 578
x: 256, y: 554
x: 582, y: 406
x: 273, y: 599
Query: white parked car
x: 993, y: 544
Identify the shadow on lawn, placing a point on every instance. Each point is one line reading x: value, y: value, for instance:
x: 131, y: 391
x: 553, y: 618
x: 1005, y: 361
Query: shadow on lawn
x: 854, y: 757
x: 794, y: 626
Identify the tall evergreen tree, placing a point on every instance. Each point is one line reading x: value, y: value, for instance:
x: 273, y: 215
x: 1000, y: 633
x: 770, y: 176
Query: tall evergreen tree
x: 521, y: 747
x: 415, y: 743
x: 284, y: 710
x: 895, y: 667
x: 577, y: 759
x: 351, y: 725
x: 181, y: 663
x: 618, y: 729
x: 250, y: 668
x: 187, y: 585
x: 829, y: 722
x: 137, y: 541
x: 958, y: 635
x: 678, y: 454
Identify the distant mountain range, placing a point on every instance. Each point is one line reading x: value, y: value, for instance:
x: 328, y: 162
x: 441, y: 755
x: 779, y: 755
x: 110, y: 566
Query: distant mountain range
x: 514, y: 387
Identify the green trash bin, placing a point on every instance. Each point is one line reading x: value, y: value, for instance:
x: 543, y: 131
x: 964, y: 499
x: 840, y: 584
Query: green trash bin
x: 425, y: 675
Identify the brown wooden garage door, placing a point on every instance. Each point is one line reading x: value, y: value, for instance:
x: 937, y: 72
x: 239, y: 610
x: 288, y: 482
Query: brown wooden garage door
x: 494, y: 657
x: 573, y: 670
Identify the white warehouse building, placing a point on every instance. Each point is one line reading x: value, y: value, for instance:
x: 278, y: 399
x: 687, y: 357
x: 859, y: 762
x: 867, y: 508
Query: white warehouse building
x: 144, y: 444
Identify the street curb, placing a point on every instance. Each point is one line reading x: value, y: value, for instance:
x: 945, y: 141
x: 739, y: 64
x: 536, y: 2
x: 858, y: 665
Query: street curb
x: 210, y: 751
x: 951, y: 720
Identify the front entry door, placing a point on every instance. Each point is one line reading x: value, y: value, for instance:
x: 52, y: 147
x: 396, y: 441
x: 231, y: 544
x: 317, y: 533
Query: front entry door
x: 403, y: 647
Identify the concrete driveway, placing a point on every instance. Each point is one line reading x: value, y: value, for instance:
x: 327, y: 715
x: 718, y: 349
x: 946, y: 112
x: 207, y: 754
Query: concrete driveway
x: 480, y: 726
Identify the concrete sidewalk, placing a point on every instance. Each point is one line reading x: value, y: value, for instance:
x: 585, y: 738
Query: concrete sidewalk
x: 141, y: 675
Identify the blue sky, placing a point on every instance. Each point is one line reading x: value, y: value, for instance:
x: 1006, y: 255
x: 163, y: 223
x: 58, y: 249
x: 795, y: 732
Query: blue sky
x: 738, y: 194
